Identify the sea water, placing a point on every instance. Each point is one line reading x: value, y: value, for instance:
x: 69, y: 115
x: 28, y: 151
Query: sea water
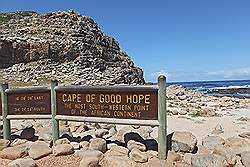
x: 206, y: 86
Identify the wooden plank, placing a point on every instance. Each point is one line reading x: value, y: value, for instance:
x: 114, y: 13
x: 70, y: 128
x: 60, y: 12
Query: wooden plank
x: 29, y: 89
x: 120, y: 88
x: 16, y: 117
x: 109, y: 120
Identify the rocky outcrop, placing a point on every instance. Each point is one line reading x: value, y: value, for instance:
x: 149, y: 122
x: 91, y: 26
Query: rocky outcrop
x: 62, y: 45
x: 182, y: 101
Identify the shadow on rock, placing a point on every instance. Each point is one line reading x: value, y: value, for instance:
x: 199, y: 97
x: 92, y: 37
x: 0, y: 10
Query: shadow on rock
x: 29, y: 134
x: 151, y: 144
x: 71, y: 138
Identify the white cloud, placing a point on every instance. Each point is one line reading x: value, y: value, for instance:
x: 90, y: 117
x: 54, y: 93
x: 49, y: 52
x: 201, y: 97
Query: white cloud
x: 239, y: 72
x: 156, y: 74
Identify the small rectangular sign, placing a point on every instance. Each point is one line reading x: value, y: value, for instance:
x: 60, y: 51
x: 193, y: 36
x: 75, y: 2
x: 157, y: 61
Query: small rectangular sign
x: 29, y: 102
x: 107, y: 102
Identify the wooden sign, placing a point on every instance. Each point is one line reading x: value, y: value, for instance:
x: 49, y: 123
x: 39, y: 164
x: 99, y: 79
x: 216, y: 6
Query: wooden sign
x: 108, y: 102
x: 29, y: 101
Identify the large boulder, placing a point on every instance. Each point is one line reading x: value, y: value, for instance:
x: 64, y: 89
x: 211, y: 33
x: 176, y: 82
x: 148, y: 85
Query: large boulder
x: 134, y: 144
x: 183, y: 142
x: 89, y: 162
x: 14, y: 152
x: 237, y: 144
x: 212, y: 141
x: 23, y: 162
x: 89, y: 153
x: 138, y: 156
x: 63, y: 149
x: 117, y: 151
x: 39, y: 149
x: 98, y: 144
x: 4, y: 143
x: 207, y: 160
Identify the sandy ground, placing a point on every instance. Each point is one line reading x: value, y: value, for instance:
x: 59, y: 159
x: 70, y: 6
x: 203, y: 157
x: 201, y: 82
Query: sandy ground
x: 203, y: 126
x: 60, y: 161
x: 52, y: 161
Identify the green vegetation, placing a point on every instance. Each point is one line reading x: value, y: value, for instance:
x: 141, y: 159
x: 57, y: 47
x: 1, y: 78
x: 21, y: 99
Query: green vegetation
x: 196, y: 113
x: 4, y: 18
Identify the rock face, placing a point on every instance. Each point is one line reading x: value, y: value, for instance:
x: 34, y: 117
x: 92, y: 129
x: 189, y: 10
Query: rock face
x: 65, y: 45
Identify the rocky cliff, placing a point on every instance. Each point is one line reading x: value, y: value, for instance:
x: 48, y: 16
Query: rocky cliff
x: 62, y: 45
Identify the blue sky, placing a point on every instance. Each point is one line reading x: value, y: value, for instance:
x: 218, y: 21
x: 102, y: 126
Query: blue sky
x: 186, y: 40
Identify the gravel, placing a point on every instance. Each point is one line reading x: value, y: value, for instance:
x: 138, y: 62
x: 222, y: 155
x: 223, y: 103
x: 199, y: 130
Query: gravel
x: 65, y: 161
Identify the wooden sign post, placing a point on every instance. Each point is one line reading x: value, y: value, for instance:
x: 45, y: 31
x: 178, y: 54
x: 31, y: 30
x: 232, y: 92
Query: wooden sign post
x: 6, y: 122
x: 162, y: 116
x: 55, y: 122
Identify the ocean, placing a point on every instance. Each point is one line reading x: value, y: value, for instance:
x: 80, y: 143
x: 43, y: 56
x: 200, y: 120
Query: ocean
x: 235, y: 88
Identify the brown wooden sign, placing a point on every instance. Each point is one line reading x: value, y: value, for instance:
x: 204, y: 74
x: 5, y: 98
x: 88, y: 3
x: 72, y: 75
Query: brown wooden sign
x: 108, y: 102
x: 29, y: 101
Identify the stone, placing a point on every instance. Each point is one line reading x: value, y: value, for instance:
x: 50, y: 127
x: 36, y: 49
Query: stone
x: 138, y: 156
x: 182, y: 164
x: 89, y: 153
x: 13, y: 153
x: 218, y: 130
x: 39, y: 149
x: 245, y: 135
x: 212, y: 141
x: 156, y: 163
x: 207, y: 160
x: 62, y: 141
x: 184, y: 142
x: 98, y: 144
x: 45, y: 134
x: 152, y: 154
x: 75, y: 145
x: 4, y: 144
x: 187, y: 158
x: 237, y: 144
x: 63, y: 149
x: 226, y: 152
x: 245, y: 158
x: 101, y: 132
x: 119, y: 136
x: 84, y: 144
x: 17, y: 142
x: 134, y: 144
x: 89, y: 162
x: 112, y: 131
x: 173, y: 156
x: 117, y: 161
x: 203, y: 150
x: 23, y: 162
x: 110, y: 145
x: 117, y: 151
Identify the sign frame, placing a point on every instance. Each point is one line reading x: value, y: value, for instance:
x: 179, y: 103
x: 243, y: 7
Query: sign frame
x: 161, y: 123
